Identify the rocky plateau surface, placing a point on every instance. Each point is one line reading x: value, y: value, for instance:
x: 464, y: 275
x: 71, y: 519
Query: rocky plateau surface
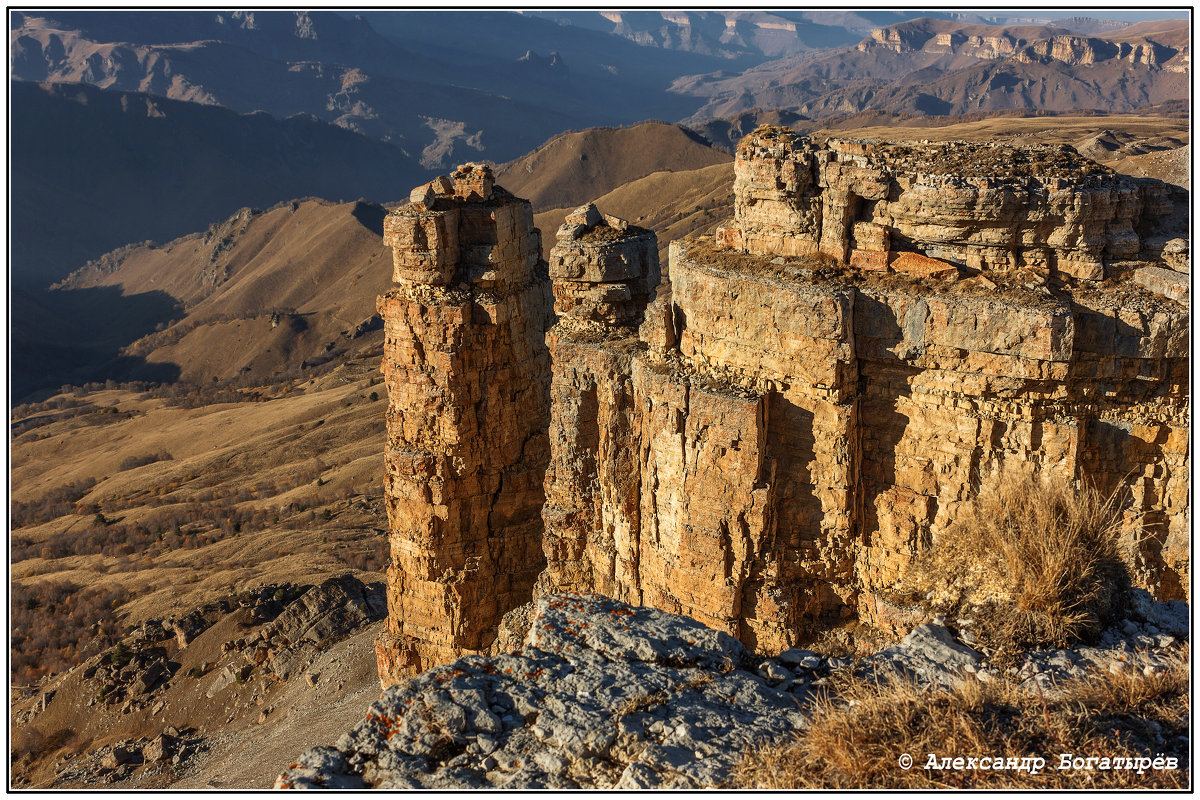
x: 606, y: 695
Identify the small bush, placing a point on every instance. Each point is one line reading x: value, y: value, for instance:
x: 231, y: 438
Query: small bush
x: 372, y: 556
x: 57, y: 624
x: 53, y: 504
x: 1030, y: 562
x: 133, y: 462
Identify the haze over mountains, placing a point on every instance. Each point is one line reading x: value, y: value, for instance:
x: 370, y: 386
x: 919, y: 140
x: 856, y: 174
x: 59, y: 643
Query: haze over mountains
x: 941, y: 68
x: 134, y: 126
x: 97, y: 169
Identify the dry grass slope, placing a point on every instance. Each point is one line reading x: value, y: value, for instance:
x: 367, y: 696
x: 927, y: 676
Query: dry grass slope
x: 672, y: 204
x: 263, y: 485
x: 856, y: 739
x: 263, y: 291
x: 576, y: 167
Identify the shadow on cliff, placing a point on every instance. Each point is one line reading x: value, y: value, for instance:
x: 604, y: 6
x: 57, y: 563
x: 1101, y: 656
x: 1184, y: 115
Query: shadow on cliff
x: 1109, y: 447
x: 76, y: 336
x: 792, y: 446
x: 883, y: 342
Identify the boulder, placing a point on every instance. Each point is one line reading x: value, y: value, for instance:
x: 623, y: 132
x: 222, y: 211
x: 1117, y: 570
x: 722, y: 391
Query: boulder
x: 160, y: 748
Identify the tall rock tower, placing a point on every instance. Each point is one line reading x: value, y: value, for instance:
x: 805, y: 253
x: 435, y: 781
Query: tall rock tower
x: 467, y: 374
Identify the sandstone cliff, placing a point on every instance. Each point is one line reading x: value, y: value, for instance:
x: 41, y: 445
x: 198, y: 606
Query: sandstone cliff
x: 766, y: 444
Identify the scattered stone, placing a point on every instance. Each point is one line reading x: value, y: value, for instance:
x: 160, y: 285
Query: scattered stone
x: 160, y: 748
x: 225, y: 677
x: 930, y: 653
x: 797, y: 657
x: 120, y: 755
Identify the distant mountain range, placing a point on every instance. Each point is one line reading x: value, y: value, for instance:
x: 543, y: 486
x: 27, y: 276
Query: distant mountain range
x: 944, y: 68
x: 96, y: 169
x: 151, y: 124
x: 443, y: 87
x: 448, y: 86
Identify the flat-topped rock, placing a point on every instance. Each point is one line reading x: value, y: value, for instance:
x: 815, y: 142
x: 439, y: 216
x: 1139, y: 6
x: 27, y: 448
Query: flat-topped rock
x: 604, y: 269
x: 981, y: 206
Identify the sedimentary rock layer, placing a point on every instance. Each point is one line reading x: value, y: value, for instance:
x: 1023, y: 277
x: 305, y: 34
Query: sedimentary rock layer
x: 809, y: 434
x: 988, y: 207
x: 766, y: 439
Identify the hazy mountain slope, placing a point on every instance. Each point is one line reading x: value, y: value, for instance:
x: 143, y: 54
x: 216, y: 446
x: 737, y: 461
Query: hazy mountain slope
x: 287, y: 63
x: 938, y: 67
x: 738, y: 35
x: 672, y: 204
x: 599, y: 77
x: 262, y: 293
x: 728, y: 131
x: 312, y: 36
x: 579, y: 166
x: 94, y: 170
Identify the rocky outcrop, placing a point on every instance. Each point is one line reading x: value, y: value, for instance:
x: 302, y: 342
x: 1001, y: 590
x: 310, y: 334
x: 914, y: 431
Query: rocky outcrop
x: 609, y: 696
x: 466, y: 368
x: 602, y: 695
x: 602, y: 268
x: 982, y: 206
x: 766, y: 442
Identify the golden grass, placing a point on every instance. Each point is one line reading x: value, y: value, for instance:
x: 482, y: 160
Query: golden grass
x: 856, y: 738
x: 1031, y: 562
x: 286, y: 489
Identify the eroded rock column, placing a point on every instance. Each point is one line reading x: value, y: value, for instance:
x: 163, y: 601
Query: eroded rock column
x: 467, y: 374
x: 604, y: 272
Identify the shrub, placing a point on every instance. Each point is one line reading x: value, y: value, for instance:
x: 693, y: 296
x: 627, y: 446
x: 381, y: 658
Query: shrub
x: 855, y: 739
x: 134, y: 462
x: 371, y: 556
x: 1030, y: 562
x: 57, y: 624
x: 53, y: 504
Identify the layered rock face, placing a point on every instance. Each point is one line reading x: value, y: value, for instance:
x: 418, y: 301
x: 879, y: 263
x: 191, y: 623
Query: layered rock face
x: 986, y: 207
x: 604, y: 270
x: 765, y: 442
x: 466, y: 367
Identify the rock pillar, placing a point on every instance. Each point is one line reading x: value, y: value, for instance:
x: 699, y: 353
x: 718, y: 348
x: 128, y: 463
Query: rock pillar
x: 467, y: 373
x: 605, y: 271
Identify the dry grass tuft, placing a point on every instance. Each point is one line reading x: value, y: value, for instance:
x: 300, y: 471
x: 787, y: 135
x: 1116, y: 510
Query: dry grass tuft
x: 856, y: 739
x: 1031, y: 562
